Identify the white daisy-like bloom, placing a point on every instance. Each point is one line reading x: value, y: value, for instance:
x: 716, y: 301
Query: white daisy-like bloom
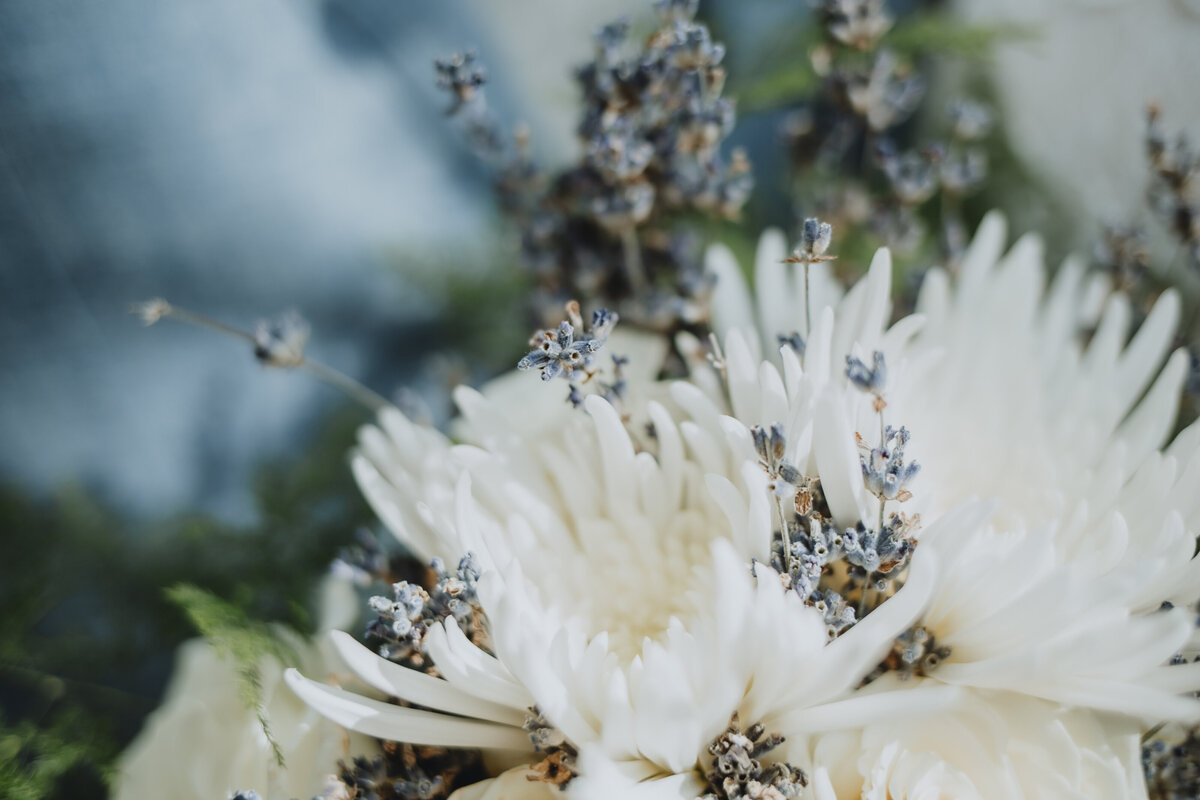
x: 203, y: 742
x: 1083, y: 525
x: 616, y: 584
x: 994, y: 746
x: 615, y: 564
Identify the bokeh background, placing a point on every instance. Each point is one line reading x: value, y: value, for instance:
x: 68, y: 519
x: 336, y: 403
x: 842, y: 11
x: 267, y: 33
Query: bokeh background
x: 242, y: 159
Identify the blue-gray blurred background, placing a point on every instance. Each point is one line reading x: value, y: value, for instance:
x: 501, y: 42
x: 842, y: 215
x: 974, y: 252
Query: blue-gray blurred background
x: 245, y: 158
x: 241, y: 159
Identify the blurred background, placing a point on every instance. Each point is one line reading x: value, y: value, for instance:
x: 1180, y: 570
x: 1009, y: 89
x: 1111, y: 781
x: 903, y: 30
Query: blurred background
x: 242, y: 159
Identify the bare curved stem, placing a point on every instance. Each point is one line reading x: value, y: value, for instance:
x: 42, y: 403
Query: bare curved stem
x: 160, y: 309
x: 352, y: 388
x: 787, y: 536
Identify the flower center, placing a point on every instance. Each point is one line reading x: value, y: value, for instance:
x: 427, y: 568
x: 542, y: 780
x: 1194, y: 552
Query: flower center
x: 629, y: 580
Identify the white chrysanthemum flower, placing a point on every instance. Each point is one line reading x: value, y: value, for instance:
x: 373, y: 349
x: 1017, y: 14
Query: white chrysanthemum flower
x: 614, y: 561
x: 995, y: 746
x: 1082, y: 526
x: 616, y: 583
x: 203, y: 742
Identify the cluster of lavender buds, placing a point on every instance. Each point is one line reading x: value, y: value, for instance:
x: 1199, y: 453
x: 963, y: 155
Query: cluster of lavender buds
x: 667, y: 140
x: 873, y: 558
x: 280, y: 342
x: 825, y: 564
x: 363, y: 562
x: 855, y: 23
x: 885, y: 472
x: 853, y: 124
x: 1123, y: 252
x: 884, y: 469
x: 950, y: 169
x: 837, y: 613
x: 462, y: 77
x: 403, y: 620
x: 406, y: 772
x: 964, y: 168
x: 820, y: 562
x: 770, y: 448
x: 518, y: 182
x: 558, y: 765
x: 865, y: 89
x: 1173, y: 192
x: 614, y: 391
x: 652, y: 129
x: 400, y: 772
x: 782, y: 478
x: 880, y: 551
x: 559, y: 353
x: 1124, y: 249
x: 812, y: 553
x: 882, y: 97
x: 815, y: 238
x: 793, y: 340
x: 915, y: 652
x: 1171, y: 763
x: 870, y: 379
x: 737, y: 773
x: 1171, y: 752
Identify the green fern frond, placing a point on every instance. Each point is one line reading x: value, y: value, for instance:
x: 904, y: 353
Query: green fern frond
x: 240, y: 640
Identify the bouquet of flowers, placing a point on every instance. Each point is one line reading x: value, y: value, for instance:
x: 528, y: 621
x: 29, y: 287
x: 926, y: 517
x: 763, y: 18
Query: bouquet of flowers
x: 792, y: 536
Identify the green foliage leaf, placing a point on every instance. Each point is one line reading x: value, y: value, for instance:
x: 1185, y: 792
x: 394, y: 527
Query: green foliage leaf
x: 240, y: 640
x: 33, y: 759
x: 939, y: 33
x: 86, y: 636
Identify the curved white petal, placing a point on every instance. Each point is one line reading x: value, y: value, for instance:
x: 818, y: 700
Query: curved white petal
x: 398, y: 724
x: 418, y: 687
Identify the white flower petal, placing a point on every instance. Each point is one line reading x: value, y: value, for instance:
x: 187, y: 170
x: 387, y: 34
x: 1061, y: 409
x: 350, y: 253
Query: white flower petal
x: 395, y: 723
x: 864, y: 709
x: 418, y: 687
x: 731, y: 306
x: 837, y: 462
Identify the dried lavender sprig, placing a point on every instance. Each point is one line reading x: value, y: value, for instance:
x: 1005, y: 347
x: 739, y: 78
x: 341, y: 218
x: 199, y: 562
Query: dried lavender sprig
x: 782, y: 476
x: 561, y: 353
x: 1172, y: 193
x: 403, y: 619
x: 737, y: 772
x: 652, y: 126
x: 815, y: 238
x: 276, y: 343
